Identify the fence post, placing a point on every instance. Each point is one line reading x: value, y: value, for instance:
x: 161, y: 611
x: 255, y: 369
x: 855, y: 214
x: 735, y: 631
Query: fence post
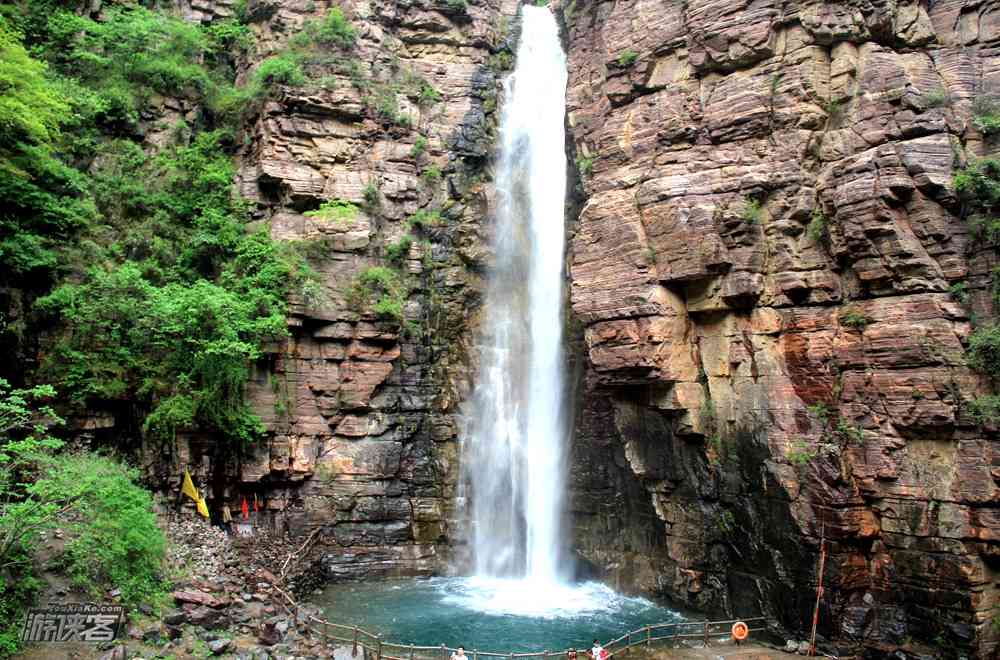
x: 545, y: 655
x: 475, y: 654
x: 378, y: 652
x: 411, y: 651
x: 706, y: 634
x: 444, y: 652
x: 628, y: 642
x: 648, y: 635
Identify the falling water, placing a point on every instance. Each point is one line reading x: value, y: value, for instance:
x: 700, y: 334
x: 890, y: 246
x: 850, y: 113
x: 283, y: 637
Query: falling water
x: 514, y: 463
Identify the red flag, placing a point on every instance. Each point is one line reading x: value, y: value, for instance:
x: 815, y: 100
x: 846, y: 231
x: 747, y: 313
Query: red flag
x: 256, y: 508
x: 246, y: 509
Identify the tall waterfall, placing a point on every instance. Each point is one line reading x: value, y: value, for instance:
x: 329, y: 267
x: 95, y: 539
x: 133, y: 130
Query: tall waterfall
x: 514, y: 444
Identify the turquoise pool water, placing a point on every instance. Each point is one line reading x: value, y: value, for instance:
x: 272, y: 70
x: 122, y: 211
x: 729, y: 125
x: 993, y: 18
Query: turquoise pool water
x: 490, y: 614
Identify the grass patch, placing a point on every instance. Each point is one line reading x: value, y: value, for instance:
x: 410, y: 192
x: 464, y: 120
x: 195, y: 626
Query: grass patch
x: 627, y: 58
x: 854, y: 318
x: 817, y: 230
x: 337, y: 210
x: 752, y: 212
x: 424, y: 218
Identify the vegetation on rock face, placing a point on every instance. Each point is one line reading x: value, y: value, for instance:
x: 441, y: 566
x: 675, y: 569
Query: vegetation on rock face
x: 978, y: 187
x: 161, y: 297
x: 854, y: 318
x: 338, y: 210
x: 986, y: 115
x: 627, y: 58
x: 112, y: 540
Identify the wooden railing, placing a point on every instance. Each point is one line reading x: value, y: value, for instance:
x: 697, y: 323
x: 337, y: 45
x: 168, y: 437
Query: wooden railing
x: 373, y: 644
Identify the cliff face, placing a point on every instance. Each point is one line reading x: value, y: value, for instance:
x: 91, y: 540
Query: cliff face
x: 759, y: 271
x: 361, y: 409
x: 753, y: 387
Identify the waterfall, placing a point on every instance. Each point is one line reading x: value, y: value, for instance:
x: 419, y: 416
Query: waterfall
x: 513, y: 447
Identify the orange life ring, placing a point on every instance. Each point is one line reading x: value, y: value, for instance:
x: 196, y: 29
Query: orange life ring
x: 740, y: 631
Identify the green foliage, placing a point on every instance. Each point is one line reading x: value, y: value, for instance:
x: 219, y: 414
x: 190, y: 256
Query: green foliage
x: 585, y: 165
x: 834, y: 110
x: 501, y: 61
x: 752, y: 211
x: 282, y: 69
x: 333, y: 30
x: 113, y: 539
x: 396, y: 252
x: 817, y: 229
x: 960, y: 292
x: 337, y: 210
x: 131, y: 53
x: 381, y: 289
x: 802, y: 453
x: 627, y: 58
x: 726, y: 522
x: 428, y: 96
x: 457, y: 6
x: 984, y: 350
x: 229, y: 36
x: 978, y: 186
x: 431, y: 175
x: 118, y: 541
x: 176, y: 308
x: 854, y: 318
x: 855, y: 434
x: 42, y: 205
x: 985, y: 409
x: 425, y: 218
x: 419, y: 147
x: 387, y: 109
x: 370, y: 193
x: 822, y: 412
x: 31, y: 109
x: 936, y: 98
x: 986, y: 115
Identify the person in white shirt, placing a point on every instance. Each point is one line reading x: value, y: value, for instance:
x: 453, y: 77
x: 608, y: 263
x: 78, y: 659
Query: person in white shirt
x: 597, y: 653
x: 459, y: 654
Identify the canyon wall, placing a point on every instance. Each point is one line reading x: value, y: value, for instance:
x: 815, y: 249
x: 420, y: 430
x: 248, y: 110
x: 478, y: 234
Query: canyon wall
x: 765, y: 241
x: 762, y: 270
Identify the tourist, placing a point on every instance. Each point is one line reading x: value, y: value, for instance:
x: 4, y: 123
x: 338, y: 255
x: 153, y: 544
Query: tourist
x: 598, y: 652
x: 570, y: 654
x: 459, y: 654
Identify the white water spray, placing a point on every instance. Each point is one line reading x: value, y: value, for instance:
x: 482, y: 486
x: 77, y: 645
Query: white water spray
x: 514, y: 446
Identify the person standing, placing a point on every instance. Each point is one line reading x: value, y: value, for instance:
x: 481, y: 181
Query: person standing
x: 459, y: 654
x: 598, y: 652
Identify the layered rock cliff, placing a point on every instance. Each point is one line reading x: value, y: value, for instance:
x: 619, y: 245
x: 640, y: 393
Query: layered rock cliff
x: 754, y: 388
x: 765, y: 237
x: 361, y: 409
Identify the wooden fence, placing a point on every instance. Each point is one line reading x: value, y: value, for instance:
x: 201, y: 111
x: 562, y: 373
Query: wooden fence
x: 374, y: 646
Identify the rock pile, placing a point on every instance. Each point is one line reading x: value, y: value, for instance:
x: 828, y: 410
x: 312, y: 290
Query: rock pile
x: 228, y: 599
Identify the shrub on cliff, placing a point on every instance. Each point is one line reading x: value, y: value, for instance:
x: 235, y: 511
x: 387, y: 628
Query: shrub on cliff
x: 176, y: 308
x: 984, y: 350
x: 112, y: 536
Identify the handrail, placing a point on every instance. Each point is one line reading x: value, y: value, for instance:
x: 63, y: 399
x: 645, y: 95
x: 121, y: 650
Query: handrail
x: 373, y: 643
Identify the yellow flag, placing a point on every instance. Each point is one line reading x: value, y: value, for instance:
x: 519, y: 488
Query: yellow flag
x: 188, y: 487
x: 202, y: 507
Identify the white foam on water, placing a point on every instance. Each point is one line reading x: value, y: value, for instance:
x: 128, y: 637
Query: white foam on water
x: 530, y: 598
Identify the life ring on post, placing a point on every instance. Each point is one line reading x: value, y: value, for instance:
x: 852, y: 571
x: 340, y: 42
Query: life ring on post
x: 740, y: 631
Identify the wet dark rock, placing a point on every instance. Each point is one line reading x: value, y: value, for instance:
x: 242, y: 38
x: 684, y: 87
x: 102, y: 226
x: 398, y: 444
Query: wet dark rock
x: 219, y: 646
